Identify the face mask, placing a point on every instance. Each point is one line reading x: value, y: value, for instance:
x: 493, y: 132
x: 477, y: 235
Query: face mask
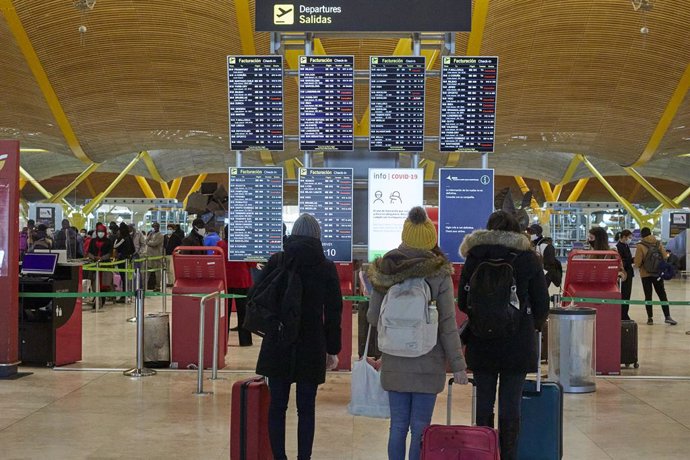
x: 590, y: 238
x: 201, y: 231
x: 100, y: 234
x: 83, y: 234
x: 170, y: 231
x: 534, y: 237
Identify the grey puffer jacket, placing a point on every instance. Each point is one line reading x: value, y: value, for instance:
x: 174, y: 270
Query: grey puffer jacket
x: 427, y: 373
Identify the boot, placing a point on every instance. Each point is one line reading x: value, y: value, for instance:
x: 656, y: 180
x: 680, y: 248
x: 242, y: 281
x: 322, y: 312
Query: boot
x: 485, y: 420
x: 508, y: 432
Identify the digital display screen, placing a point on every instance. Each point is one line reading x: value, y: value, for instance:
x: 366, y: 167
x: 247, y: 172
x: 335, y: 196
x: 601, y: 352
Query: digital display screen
x: 255, y: 102
x: 255, y: 212
x: 396, y: 94
x: 468, y: 104
x: 39, y: 264
x: 326, y: 193
x: 326, y: 102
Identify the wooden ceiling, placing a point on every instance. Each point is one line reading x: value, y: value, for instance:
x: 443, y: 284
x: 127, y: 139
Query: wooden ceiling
x: 575, y: 77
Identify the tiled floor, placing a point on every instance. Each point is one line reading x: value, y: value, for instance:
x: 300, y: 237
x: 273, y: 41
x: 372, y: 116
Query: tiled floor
x: 100, y: 414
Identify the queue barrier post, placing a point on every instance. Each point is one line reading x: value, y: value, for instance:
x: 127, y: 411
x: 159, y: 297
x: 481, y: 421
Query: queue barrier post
x: 202, y: 320
x: 128, y: 281
x: 139, y: 370
x: 164, y: 283
x: 97, y: 300
x: 135, y: 281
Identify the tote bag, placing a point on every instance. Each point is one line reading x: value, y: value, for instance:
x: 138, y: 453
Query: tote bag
x: 367, y: 396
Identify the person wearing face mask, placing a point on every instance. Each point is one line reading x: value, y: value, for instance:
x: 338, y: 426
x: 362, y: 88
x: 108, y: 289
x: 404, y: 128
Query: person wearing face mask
x: 154, y: 248
x: 99, y: 250
x: 173, y: 240
x: 627, y: 259
x: 196, y: 236
x: 553, y: 270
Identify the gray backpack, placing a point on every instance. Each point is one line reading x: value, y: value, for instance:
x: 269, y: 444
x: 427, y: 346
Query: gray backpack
x: 408, y: 321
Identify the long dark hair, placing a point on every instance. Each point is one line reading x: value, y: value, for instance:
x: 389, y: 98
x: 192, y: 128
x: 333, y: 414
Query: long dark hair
x: 601, y: 239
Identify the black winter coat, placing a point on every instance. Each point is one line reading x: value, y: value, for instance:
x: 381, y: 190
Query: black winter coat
x: 626, y: 258
x: 518, y: 353
x: 322, y: 305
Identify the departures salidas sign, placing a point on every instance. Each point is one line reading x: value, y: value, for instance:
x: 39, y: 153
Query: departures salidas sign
x: 363, y: 15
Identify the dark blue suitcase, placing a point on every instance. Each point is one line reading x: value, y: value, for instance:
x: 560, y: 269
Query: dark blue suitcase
x: 541, y: 420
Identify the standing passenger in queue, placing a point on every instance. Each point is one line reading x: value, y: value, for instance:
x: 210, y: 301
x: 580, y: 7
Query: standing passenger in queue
x: 623, y: 248
x: 99, y: 250
x: 173, y: 240
x: 124, y: 249
x: 154, y: 252
x: 196, y: 235
x: 414, y: 382
x: 652, y: 280
x: 511, y: 358
x: 305, y: 361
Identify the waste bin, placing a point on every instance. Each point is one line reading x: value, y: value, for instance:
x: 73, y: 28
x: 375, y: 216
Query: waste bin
x: 157, y: 340
x: 572, y: 339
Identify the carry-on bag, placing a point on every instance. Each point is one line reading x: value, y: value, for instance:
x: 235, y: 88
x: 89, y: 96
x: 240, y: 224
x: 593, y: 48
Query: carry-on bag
x: 249, y: 420
x: 367, y: 396
x: 541, y: 419
x: 629, y: 343
x: 453, y: 442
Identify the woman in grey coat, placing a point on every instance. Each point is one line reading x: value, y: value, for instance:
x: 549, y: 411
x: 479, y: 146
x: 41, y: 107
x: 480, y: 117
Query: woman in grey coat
x: 413, y: 383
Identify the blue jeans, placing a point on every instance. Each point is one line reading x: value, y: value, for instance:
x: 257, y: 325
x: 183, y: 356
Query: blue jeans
x: 409, y: 412
x: 306, y: 413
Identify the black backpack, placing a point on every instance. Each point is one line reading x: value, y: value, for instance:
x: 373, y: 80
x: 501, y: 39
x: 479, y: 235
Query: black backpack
x: 652, y: 258
x: 274, y: 304
x: 492, y: 303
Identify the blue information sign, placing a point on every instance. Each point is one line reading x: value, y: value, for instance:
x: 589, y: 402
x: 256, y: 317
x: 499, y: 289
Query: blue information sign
x: 466, y: 200
x: 326, y: 193
x: 255, y: 212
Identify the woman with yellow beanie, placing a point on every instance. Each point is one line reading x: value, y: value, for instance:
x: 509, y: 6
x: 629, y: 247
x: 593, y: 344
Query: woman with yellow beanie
x: 414, y: 382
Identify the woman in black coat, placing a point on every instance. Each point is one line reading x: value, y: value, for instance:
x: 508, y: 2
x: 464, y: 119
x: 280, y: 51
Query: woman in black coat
x: 514, y: 356
x: 622, y: 245
x: 318, y: 343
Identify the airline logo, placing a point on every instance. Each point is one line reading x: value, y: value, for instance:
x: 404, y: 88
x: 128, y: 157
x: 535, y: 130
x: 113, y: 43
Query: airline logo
x: 284, y: 14
x: 3, y: 157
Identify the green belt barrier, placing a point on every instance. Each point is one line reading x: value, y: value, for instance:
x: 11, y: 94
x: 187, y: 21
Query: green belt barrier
x: 624, y: 302
x: 144, y: 259
x: 356, y: 298
x: 108, y: 270
x: 73, y: 295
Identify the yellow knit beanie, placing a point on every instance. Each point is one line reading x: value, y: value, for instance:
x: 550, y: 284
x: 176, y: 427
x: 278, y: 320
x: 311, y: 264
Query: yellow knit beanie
x: 419, y: 232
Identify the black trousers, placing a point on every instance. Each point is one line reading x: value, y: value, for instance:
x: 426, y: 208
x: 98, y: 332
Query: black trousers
x: 306, y: 417
x: 658, y: 284
x: 241, y: 305
x: 509, y: 394
x: 626, y: 291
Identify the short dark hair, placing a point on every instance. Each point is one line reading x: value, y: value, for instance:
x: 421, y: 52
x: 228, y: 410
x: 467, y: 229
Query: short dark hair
x: 501, y: 220
x: 645, y: 232
x: 626, y: 233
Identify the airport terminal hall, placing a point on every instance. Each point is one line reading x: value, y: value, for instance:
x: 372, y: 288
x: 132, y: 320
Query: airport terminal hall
x: 345, y: 229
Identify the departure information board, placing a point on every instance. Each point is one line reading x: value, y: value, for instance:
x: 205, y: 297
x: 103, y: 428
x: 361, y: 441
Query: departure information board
x: 326, y: 193
x: 468, y: 104
x: 326, y: 102
x: 255, y: 212
x: 396, y: 95
x: 255, y: 102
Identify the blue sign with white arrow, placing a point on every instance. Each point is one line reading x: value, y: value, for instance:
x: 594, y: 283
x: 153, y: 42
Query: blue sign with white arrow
x: 466, y: 200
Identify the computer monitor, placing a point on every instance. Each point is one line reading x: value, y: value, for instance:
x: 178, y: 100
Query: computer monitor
x: 39, y: 264
x: 61, y: 253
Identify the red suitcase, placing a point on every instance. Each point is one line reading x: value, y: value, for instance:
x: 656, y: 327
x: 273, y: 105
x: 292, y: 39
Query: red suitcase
x: 249, y: 420
x: 448, y: 442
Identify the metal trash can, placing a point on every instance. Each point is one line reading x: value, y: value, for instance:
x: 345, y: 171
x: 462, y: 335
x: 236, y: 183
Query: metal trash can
x: 571, y: 348
x: 157, y: 340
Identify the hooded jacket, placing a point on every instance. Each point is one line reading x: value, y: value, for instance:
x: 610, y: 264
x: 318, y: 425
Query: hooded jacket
x: 426, y: 373
x: 641, y: 251
x: 305, y: 360
x: 517, y: 353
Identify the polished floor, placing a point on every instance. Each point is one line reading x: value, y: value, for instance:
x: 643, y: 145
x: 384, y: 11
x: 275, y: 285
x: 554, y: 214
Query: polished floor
x: 75, y: 413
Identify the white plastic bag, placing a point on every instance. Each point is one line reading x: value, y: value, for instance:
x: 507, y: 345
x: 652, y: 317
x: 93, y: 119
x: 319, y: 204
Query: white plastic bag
x: 367, y: 396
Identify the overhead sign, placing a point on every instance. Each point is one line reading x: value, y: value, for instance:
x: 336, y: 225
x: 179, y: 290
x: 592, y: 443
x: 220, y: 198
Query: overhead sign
x: 255, y: 212
x: 679, y: 222
x: 466, y: 200
x: 326, y: 194
x: 396, y: 95
x: 255, y: 102
x: 392, y: 193
x: 326, y: 102
x: 468, y: 104
x: 364, y: 15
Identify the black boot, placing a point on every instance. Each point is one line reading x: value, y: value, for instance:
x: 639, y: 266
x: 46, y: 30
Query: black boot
x: 485, y: 420
x: 508, y: 432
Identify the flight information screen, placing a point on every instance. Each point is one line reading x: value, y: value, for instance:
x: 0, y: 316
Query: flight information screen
x: 326, y: 193
x: 468, y: 104
x: 396, y: 94
x: 326, y: 102
x: 255, y: 212
x: 255, y: 102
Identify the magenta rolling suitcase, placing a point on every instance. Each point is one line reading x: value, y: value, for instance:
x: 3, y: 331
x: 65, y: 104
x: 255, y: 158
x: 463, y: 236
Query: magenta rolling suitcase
x: 453, y: 442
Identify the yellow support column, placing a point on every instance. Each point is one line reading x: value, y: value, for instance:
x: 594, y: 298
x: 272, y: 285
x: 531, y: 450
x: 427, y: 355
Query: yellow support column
x: 93, y: 204
x: 546, y: 188
x: 534, y: 204
x: 663, y: 199
x: 175, y: 187
x: 577, y: 190
x: 153, y: 170
x: 90, y: 187
x: 244, y: 25
x: 195, y: 186
x: 145, y: 187
x: 75, y: 183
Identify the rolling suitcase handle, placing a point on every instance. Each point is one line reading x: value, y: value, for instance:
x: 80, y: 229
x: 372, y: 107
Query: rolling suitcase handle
x: 449, y: 406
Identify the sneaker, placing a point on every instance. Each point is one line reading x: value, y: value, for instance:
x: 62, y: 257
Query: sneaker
x: 650, y: 321
x: 670, y: 321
